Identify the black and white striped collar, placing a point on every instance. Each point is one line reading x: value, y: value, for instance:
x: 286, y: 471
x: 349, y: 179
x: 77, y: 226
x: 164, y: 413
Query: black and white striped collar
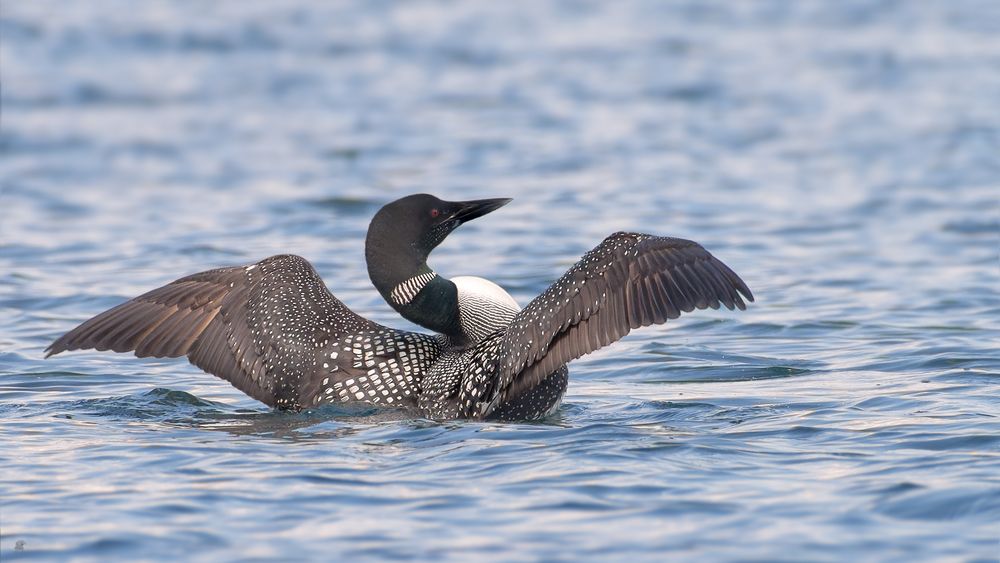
x: 404, y: 293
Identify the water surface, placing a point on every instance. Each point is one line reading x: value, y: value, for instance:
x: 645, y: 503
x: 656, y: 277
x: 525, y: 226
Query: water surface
x: 841, y: 156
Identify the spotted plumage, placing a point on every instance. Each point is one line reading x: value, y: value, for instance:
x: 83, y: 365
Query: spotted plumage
x: 275, y: 332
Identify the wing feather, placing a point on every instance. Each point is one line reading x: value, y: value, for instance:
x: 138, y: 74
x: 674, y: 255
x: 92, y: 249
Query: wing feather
x: 242, y: 324
x: 629, y: 281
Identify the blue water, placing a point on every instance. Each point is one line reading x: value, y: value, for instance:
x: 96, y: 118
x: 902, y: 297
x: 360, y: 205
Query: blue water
x: 843, y: 157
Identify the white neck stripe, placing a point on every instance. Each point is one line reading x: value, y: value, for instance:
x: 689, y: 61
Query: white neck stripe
x: 407, y: 290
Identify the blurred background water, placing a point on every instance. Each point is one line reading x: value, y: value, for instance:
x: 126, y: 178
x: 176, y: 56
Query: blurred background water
x: 843, y: 157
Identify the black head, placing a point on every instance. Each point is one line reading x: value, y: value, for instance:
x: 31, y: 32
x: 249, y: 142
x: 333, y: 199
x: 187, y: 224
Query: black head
x: 420, y: 222
x: 401, y: 236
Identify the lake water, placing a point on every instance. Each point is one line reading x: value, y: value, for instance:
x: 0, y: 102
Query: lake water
x: 843, y: 157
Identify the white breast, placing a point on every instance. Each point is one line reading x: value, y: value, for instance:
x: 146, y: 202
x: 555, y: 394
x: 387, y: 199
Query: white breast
x: 484, y: 307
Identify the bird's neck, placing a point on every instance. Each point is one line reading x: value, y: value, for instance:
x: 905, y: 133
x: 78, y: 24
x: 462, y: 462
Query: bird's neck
x: 408, y: 284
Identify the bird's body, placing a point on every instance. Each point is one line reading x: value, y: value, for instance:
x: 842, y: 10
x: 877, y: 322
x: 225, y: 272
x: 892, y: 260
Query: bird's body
x: 275, y: 331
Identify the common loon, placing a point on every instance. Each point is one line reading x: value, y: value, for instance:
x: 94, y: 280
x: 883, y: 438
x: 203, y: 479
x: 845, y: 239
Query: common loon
x: 275, y: 331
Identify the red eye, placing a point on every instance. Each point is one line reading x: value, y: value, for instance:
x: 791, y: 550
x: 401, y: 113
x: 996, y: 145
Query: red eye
x: 435, y: 212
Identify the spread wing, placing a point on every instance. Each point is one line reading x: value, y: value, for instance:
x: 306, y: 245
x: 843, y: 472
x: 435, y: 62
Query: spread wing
x: 628, y: 281
x: 259, y: 326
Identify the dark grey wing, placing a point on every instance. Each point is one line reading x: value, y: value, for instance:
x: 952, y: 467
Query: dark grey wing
x: 261, y: 327
x: 628, y: 281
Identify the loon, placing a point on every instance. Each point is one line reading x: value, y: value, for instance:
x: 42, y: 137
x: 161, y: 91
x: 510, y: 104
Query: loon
x: 274, y: 330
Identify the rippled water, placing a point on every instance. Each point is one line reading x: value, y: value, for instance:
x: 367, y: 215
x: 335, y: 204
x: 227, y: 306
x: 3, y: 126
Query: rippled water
x: 841, y: 156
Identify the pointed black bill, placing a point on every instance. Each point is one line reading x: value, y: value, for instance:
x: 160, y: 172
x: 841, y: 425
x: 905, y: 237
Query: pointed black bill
x: 469, y: 210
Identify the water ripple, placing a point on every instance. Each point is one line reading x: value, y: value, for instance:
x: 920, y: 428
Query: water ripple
x: 840, y: 156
